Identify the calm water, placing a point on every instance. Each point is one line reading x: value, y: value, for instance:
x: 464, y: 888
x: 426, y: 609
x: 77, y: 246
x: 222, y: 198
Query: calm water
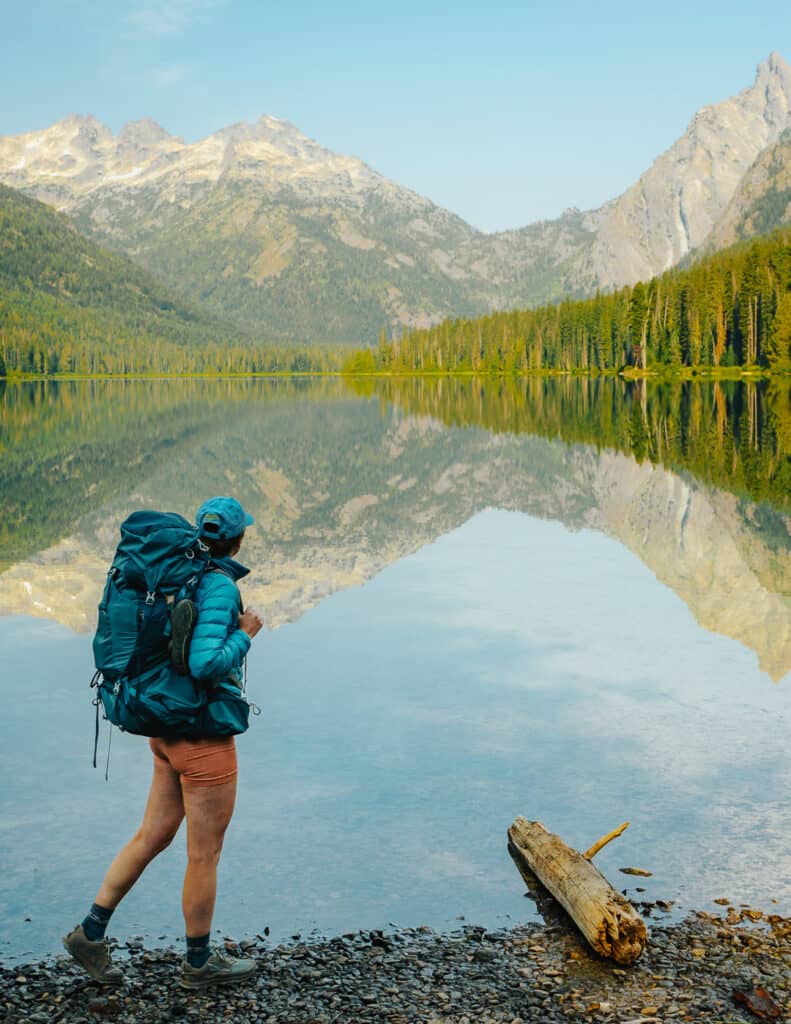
x: 482, y: 602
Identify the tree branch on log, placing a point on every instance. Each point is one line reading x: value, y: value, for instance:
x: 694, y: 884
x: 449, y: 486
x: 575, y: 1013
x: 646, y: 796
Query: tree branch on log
x: 601, y: 843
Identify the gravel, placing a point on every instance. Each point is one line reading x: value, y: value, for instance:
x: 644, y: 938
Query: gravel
x: 524, y: 974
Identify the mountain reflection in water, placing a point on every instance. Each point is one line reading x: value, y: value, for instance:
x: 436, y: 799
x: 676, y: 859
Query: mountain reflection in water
x: 344, y: 480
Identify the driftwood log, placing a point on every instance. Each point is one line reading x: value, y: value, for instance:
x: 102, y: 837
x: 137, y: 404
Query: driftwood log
x: 608, y: 920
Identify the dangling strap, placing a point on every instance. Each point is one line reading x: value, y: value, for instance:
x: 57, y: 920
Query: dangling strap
x: 107, y: 766
x: 96, y: 732
x: 96, y: 701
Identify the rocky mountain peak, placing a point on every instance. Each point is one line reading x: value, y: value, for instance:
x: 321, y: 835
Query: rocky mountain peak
x: 87, y: 128
x: 142, y: 132
x: 674, y: 205
x: 79, y: 156
x: 272, y: 125
x: 76, y: 131
x: 81, y: 121
x: 289, y: 139
x: 281, y: 134
x: 774, y: 65
x: 772, y: 92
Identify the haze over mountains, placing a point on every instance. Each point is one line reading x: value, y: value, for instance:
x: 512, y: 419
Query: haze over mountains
x: 263, y: 227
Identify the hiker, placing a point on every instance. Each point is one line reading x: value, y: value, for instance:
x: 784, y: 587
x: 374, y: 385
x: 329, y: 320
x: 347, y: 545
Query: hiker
x: 193, y: 778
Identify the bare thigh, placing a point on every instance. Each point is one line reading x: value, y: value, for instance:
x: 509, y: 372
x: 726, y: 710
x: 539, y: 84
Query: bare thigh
x: 209, y: 810
x: 163, y: 814
x: 165, y: 805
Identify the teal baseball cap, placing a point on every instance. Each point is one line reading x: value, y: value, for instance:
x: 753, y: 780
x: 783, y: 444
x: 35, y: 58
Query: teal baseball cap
x: 222, y: 518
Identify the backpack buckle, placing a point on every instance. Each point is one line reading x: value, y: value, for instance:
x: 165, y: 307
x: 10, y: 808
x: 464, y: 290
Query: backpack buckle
x: 151, y: 596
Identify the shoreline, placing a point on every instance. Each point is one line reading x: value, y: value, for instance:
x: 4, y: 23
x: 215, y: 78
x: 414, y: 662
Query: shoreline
x: 526, y: 974
x: 657, y: 373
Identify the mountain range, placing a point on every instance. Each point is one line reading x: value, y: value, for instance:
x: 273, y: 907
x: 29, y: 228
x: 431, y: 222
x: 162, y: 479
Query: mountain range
x: 262, y: 227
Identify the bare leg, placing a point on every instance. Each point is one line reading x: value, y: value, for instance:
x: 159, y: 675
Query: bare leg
x: 208, y: 810
x: 163, y: 815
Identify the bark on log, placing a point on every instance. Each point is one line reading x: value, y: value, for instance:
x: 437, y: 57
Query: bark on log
x: 608, y: 921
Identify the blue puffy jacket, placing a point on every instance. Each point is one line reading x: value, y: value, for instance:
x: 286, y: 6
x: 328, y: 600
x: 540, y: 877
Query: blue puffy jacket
x: 218, y: 646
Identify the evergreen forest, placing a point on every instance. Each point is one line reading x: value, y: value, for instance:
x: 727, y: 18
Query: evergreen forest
x: 732, y: 309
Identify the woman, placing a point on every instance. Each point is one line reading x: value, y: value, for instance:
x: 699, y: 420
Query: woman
x: 195, y: 779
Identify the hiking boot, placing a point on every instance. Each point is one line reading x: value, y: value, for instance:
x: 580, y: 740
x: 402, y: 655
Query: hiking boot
x: 219, y: 969
x: 93, y: 956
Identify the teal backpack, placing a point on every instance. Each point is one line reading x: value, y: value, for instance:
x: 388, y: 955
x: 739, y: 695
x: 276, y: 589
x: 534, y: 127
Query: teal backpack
x: 160, y: 561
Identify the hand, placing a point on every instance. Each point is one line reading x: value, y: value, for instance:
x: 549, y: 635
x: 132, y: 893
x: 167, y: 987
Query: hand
x: 250, y: 621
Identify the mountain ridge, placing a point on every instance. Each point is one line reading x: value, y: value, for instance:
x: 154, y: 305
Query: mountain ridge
x: 263, y: 226
x: 680, y: 197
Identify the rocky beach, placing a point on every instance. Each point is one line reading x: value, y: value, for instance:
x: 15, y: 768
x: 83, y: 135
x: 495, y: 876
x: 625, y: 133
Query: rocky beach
x: 690, y: 971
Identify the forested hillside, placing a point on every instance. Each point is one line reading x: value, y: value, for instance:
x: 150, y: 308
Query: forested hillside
x: 69, y: 306
x: 731, y: 309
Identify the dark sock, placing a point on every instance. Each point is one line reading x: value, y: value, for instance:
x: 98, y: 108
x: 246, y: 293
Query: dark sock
x: 198, y: 951
x: 96, y: 922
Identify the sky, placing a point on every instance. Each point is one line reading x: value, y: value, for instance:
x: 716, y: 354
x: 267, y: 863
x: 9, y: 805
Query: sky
x: 503, y: 112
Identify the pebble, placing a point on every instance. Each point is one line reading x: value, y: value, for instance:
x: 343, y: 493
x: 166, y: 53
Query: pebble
x: 522, y: 975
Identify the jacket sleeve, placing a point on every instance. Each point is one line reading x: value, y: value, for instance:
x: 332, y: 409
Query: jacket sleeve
x: 218, y: 645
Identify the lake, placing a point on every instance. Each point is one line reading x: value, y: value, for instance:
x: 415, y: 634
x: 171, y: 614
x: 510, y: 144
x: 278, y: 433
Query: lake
x: 563, y: 599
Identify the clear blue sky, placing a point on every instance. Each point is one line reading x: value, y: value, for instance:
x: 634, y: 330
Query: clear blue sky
x: 502, y: 112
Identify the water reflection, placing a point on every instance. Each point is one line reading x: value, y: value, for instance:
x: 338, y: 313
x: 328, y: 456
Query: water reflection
x: 527, y: 641
x: 342, y: 487
x: 734, y: 435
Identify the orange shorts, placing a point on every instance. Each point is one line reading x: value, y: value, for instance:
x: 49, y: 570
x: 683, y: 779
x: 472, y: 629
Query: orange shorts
x: 204, y: 762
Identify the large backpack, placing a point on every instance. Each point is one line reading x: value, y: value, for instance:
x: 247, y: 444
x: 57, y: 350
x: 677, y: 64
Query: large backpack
x: 160, y: 560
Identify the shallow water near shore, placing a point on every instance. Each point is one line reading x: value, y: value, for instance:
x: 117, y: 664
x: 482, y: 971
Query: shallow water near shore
x: 464, y: 626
